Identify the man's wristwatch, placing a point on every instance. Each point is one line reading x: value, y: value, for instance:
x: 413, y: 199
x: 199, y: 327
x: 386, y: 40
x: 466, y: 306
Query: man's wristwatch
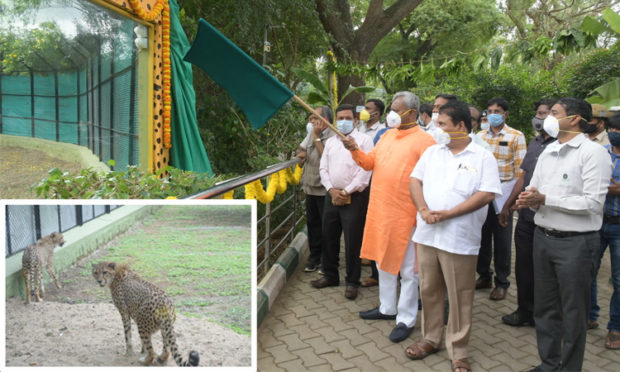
x: 317, y: 140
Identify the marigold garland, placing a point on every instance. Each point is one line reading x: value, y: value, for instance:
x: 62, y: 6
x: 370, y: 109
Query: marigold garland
x: 162, y: 7
x: 228, y: 194
x: 277, y: 183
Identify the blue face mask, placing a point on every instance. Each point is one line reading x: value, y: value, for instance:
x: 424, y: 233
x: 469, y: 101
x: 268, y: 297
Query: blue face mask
x: 495, y: 120
x: 345, y: 126
x: 614, y: 138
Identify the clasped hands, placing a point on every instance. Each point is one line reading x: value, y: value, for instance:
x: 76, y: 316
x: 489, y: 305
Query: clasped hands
x: 431, y: 217
x: 339, y: 197
x: 530, y: 198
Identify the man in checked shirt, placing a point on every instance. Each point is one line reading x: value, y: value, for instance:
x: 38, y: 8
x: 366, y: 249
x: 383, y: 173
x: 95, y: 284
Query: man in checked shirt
x: 509, y: 148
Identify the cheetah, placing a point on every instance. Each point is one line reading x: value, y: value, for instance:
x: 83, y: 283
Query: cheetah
x: 148, y: 306
x: 34, y: 257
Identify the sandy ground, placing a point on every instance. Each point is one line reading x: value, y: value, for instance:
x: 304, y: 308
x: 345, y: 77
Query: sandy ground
x: 60, y: 334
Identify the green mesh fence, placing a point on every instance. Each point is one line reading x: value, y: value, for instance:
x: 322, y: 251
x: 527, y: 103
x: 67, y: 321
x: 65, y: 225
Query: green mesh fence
x: 80, y: 91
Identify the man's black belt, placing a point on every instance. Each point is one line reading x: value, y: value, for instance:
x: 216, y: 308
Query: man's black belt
x: 562, y: 234
x: 613, y: 220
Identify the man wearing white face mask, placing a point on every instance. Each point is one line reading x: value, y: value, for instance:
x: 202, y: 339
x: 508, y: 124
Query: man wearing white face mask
x: 391, y: 221
x: 345, y: 204
x: 509, y: 148
x: 567, y: 190
x: 431, y: 127
x: 310, y: 151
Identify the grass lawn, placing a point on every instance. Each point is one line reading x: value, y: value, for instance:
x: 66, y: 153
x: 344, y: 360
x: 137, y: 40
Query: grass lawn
x: 200, y: 255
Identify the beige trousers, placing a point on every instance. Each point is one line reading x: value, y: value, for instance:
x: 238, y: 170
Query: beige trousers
x: 442, y: 271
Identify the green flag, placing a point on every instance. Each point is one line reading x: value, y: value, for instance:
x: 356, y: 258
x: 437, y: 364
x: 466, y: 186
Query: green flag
x: 255, y: 91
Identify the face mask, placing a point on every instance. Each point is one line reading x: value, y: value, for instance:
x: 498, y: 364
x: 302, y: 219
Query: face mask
x: 495, y: 120
x: 421, y: 122
x: 484, y: 125
x: 552, y: 126
x: 393, y: 119
x: 587, y: 128
x: 441, y: 137
x: 537, y: 123
x: 364, y: 115
x: 434, y: 117
x: 345, y: 126
x: 309, y: 127
x: 614, y: 138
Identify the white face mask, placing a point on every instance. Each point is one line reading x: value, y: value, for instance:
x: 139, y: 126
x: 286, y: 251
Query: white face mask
x: 441, y: 137
x: 309, y: 127
x: 551, y: 125
x: 392, y: 119
x: 485, y: 125
x: 434, y: 117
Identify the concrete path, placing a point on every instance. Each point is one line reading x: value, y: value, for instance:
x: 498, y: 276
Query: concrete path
x: 320, y: 330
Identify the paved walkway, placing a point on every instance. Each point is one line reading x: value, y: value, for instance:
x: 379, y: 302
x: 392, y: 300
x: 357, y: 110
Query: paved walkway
x: 320, y: 330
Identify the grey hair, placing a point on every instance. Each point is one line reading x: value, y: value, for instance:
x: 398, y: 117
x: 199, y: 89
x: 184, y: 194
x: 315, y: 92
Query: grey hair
x: 326, y: 112
x: 411, y: 100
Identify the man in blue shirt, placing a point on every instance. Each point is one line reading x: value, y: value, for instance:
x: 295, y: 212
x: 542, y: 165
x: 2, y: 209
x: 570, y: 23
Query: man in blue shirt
x: 610, y: 236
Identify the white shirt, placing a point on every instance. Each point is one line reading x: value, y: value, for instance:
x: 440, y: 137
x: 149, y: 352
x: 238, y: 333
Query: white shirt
x: 372, y: 131
x: 447, y: 181
x: 339, y: 170
x: 574, y: 177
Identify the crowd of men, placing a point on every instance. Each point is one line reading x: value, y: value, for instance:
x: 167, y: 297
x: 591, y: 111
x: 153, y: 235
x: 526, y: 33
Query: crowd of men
x: 428, y: 199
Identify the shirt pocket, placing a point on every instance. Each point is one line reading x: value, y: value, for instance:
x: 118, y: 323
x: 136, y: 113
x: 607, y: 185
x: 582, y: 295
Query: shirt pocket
x: 465, y: 181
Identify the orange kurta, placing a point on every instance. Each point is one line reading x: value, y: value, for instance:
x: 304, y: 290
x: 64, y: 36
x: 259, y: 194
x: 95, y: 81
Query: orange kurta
x: 391, y: 214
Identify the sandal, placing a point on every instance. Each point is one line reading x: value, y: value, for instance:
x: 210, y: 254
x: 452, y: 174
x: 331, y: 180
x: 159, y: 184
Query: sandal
x: 612, y: 341
x: 461, y: 364
x: 420, y: 350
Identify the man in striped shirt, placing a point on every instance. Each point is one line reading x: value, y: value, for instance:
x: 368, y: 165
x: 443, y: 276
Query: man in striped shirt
x: 509, y: 148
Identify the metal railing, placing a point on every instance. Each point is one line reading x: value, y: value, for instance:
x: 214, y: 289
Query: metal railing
x: 285, y: 212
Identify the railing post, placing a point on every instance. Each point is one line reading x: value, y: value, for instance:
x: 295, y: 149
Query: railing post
x: 267, y: 229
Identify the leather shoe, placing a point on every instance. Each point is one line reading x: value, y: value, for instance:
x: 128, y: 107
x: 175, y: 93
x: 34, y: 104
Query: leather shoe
x: 517, y: 319
x: 350, y: 292
x: 400, y: 332
x: 374, y: 314
x: 497, y: 294
x: 370, y: 282
x: 323, y: 282
x: 482, y: 283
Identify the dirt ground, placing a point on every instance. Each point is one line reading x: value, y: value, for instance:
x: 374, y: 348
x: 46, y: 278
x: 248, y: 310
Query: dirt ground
x: 21, y: 168
x: 60, y: 334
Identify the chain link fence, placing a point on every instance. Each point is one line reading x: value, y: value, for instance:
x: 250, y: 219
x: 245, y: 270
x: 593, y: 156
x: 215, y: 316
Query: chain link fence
x: 25, y: 224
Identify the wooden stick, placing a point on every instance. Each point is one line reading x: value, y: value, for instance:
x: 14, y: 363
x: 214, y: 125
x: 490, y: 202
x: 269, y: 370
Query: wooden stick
x: 313, y: 111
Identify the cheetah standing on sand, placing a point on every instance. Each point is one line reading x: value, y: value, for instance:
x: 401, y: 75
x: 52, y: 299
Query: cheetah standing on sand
x: 147, y: 305
x: 34, y: 257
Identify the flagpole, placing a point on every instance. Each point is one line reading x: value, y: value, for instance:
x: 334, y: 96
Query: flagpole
x: 313, y: 111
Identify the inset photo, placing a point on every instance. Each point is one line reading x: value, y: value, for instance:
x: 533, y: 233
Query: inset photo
x: 128, y: 285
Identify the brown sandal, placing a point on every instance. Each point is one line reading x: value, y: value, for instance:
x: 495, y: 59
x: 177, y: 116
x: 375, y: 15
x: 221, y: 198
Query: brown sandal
x: 463, y: 364
x: 612, y: 341
x: 420, y: 350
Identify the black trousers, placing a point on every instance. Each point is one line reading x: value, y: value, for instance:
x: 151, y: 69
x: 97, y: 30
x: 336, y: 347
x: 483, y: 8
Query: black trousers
x: 314, y: 221
x: 563, y: 271
x: 495, y: 244
x: 524, y: 266
x: 349, y: 221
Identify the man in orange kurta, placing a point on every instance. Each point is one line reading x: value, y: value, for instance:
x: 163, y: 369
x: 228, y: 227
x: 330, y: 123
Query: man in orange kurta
x: 391, y: 217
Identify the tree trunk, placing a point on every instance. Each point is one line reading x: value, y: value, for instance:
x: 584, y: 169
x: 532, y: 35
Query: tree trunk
x: 356, y: 45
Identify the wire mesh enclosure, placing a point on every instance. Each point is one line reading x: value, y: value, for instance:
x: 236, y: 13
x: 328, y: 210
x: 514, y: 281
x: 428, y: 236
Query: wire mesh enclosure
x: 25, y: 224
x: 69, y: 74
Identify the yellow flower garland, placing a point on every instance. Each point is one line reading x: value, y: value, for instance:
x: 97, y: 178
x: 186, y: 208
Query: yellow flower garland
x: 162, y: 7
x: 277, y: 183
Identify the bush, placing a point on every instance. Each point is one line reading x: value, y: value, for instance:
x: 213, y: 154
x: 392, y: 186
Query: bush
x: 130, y: 184
x: 593, y: 70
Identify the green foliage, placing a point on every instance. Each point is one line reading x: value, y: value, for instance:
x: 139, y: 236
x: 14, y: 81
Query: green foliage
x: 591, y: 71
x: 130, y: 184
x: 321, y: 94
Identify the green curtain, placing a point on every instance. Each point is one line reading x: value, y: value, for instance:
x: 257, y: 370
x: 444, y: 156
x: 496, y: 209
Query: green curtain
x: 187, y: 150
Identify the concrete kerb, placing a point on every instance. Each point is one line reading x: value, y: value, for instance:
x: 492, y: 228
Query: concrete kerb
x: 80, y: 241
x: 270, y: 287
